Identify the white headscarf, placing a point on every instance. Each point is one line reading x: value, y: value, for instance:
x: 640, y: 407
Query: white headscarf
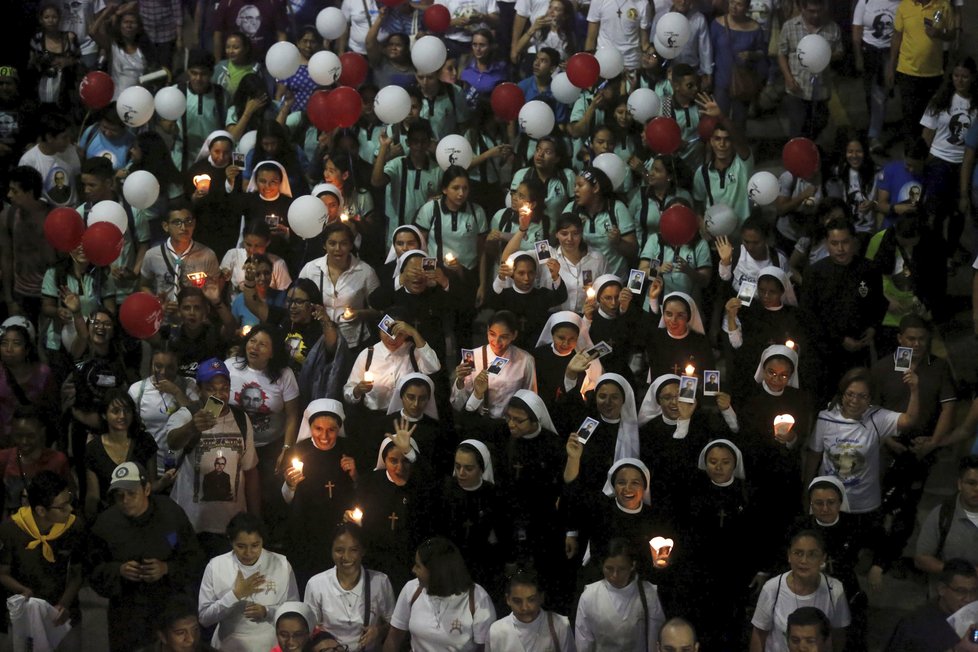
x: 323, y: 188
x: 770, y: 352
x: 396, y: 404
x: 789, y: 298
x: 626, y: 444
x: 566, y: 317
x: 380, y: 466
x: 319, y: 406
x: 205, y: 149
x: 599, y: 284
x: 23, y: 322
x: 695, y: 321
x: 650, y: 404
x: 300, y: 608
x: 537, y: 406
x: 609, y: 486
x: 738, y: 467
x: 283, y: 189
x: 835, y: 482
x: 486, y: 459
x: 392, y: 254
x: 511, y: 261
x: 400, y: 265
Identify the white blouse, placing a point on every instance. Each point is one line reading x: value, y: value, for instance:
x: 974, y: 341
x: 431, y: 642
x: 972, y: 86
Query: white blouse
x: 518, y: 373
x: 444, y: 624
x: 611, y: 619
x: 341, y: 612
x: 351, y: 290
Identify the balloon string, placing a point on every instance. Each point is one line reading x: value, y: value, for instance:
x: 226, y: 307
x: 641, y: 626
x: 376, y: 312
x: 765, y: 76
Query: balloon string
x: 81, y: 129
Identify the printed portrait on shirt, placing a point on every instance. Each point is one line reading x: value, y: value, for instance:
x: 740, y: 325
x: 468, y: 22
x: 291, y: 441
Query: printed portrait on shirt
x: 253, y: 400
x: 56, y: 185
x: 848, y: 462
x: 249, y: 20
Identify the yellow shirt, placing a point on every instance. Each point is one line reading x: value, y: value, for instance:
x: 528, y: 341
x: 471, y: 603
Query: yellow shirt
x: 920, y: 55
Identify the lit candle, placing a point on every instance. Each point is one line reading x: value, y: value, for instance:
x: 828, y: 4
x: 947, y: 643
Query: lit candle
x: 368, y: 377
x: 357, y: 515
x: 344, y: 217
x: 661, y: 549
x: 245, y: 330
x: 790, y: 344
x: 690, y: 370
x: 591, y: 293
x: 449, y: 258
x: 297, y: 464
x: 783, y: 423
x: 202, y: 182
x: 348, y: 313
x: 525, y: 210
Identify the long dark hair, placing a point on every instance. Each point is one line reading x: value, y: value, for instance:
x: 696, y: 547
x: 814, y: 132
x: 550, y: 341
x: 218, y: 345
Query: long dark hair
x: 156, y: 159
x: 284, y: 153
x: 944, y: 95
x: 248, y: 52
x: 251, y: 86
x: 447, y: 572
x: 279, y: 361
x: 121, y: 395
x: 866, y: 171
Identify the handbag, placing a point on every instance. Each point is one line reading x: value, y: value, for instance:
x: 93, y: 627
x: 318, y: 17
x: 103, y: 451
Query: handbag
x: 744, y: 82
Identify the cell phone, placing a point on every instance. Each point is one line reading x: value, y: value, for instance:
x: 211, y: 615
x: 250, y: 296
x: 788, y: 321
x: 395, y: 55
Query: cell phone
x: 237, y: 159
x: 214, y: 406
x: 601, y: 86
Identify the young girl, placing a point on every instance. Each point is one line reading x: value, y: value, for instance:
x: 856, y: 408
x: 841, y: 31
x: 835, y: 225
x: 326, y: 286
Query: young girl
x: 608, y: 226
x: 119, y: 31
x: 54, y: 54
x: 853, y: 178
x: 667, y: 178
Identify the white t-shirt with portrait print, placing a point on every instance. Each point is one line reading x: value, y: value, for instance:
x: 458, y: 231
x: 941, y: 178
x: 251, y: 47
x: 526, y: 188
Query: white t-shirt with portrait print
x: 263, y: 400
x: 876, y: 19
x: 950, y: 127
x: 444, y: 624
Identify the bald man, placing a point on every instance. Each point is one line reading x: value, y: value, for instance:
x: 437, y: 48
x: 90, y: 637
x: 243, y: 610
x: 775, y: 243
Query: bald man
x: 677, y: 635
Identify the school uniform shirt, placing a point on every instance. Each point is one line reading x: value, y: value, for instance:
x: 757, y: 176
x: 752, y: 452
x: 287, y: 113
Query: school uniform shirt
x: 166, y: 272
x: 387, y: 366
x: 950, y: 127
x: 156, y: 407
x: 518, y: 373
x: 192, y: 490
x: 576, y: 277
x: 444, y: 624
x: 510, y: 635
x: 620, y: 27
x: 851, y: 452
x: 137, y: 233
x: 445, y: 111
x: 747, y: 268
x: 560, y: 188
x: 218, y: 604
x: 596, y: 232
x: 876, y: 19
x: 776, y: 602
x: 696, y: 255
x: 647, y: 209
x: 408, y: 188
x: 360, y: 16
x: 614, y: 620
x: 459, y: 231
x: 507, y: 222
x: 341, y: 612
x: 710, y: 186
x: 263, y: 400
x: 205, y: 114
x: 351, y: 290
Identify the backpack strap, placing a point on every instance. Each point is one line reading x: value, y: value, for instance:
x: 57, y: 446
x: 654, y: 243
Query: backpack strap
x: 414, y: 359
x: 417, y: 594
x: 706, y: 182
x: 402, y: 200
x: 436, y: 225
x: 944, y: 519
x: 472, y: 603
x: 366, y: 598
x: 645, y: 612
x: 553, y: 631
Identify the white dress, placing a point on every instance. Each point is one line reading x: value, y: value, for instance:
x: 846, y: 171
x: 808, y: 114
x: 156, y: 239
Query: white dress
x: 611, y: 619
x: 510, y: 635
x: 341, y: 612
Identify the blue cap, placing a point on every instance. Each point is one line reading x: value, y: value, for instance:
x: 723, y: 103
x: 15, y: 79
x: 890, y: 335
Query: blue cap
x: 210, y: 369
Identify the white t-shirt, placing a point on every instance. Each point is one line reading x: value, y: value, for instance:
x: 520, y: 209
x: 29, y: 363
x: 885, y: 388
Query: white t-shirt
x: 776, y: 602
x: 509, y: 634
x: 609, y: 618
x: 155, y: 409
x: 59, y: 173
x: 876, y: 18
x: 531, y: 9
x: 209, y: 493
x: 621, y: 24
x: 263, y: 400
x: 950, y: 128
x: 444, y: 624
x: 340, y: 612
x: 234, y: 260
x: 851, y: 452
x: 360, y: 23
x: 463, y: 9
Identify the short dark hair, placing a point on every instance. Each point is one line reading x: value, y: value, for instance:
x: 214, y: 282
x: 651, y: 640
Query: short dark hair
x: 451, y: 173
x: 552, y: 54
x: 258, y: 227
x: 524, y: 577
x: 51, y: 123
x: 178, y: 205
x: 757, y: 223
x: 352, y: 529
x: 309, y: 288
x: 681, y: 70
x: 447, y: 572
x: 28, y: 179
x: 243, y: 522
x: 200, y: 58
x: 678, y: 621
x: 811, y: 534
x: 967, y: 463
x: 914, y: 321
x: 620, y: 547
x: 177, y: 608
x: 956, y: 566
x: 190, y: 291
x: 857, y: 375
x: 44, y: 488
x: 805, y: 616
x: 98, y: 166
x: 505, y: 317
x: 841, y: 224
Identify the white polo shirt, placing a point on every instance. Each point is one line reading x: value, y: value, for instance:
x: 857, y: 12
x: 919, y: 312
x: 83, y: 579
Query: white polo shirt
x: 446, y: 624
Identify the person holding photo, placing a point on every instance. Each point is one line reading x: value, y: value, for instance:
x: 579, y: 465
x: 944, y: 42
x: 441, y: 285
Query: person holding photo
x: 674, y: 333
x: 561, y: 367
x: 612, y: 321
x: 515, y: 288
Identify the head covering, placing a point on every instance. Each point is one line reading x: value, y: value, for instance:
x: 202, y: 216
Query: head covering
x: 739, y: 466
x: 695, y: 321
x: 210, y: 369
x: 387, y: 441
x: 486, y: 459
x: 403, y: 258
x: 650, y: 404
x: 299, y: 608
x: 205, y: 149
x: 396, y: 404
x: 284, y: 189
x: 324, y: 188
x: 320, y: 406
x: 392, y: 254
x: 789, y: 298
x: 627, y: 443
x: 835, y: 482
x: 566, y: 317
x: 770, y: 352
x: 537, y: 406
x: 23, y: 322
x: 609, y: 485
x: 603, y: 280
x: 511, y: 261
x: 128, y: 475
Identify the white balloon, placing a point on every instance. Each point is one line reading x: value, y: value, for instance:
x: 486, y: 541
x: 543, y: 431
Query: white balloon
x: 109, y: 211
x: 537, y: 119
x: 612, y: 165
x: 644, y: 104
x: 454, y: 150
x: 307, y: 216
x: 673, y: 30
x: 564, y: 91
x: 428, y: 54
x: 720, y: 220
x: 762, y: 188
x: 170, y: 103
x: 325, y: 67
x: 135, y: 106
x: 282, y: 60
x: 664, y: 50
x: 814, y: 53
x: 331, y: 23
x: 141, y: 189
x: 247, y: 142
x: 612, y: 63
x: 392, y: 104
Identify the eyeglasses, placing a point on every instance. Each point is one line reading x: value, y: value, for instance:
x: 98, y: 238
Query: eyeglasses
x: 515, y: 421
x: 100, y: 323
x: 296, y: 302
x: 856, y: 396
x: 181, y: 223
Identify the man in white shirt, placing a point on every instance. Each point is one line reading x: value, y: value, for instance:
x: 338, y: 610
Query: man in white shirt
x: 56, y: 159
x: 619, y: 26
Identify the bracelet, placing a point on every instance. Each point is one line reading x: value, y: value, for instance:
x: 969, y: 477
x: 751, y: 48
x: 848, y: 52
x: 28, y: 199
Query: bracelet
x: 286, y: 447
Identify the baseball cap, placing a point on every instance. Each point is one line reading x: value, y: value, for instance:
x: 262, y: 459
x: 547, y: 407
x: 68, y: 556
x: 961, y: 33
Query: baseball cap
x: 210, y: 369
x: 128, y: 475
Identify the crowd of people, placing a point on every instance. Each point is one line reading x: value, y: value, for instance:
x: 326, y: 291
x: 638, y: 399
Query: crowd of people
x: 499, y: 388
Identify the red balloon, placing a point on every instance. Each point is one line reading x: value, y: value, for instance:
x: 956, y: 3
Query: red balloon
x: 96, y: 90
x: 800, y: 157
x: 507, y: 100
x: 663, y: 135
x: 63, y: 228
x: 583, y: 70
x: 354, y: 70
x: 678, y: 225
x: 319, y: 111
x: 141, y: 314
x: 706, y: 126
x: 102, y: 243
x: 437, y: 19
x: 345, y: 104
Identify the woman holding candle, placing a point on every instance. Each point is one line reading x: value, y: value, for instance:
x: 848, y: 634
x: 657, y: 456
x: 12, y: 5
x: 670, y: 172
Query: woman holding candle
x: 679, y: 340
x: 407, y: 237
x: 579, y: 266
x: 350, y: 601
x: 204, y: 183
x: 525, y: 223
x: 548, y: 166
x: 559, y: 369
x: 607, y: 309
x: 608, y: 226
x: 516, y: 288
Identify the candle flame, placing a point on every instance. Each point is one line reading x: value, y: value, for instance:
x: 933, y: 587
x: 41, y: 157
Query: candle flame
x: 790, y: 344
x: 690, y: 370
x: 368, y: 377
x: 297, y: 464
x: 357, y: 515
x: 591, y: 293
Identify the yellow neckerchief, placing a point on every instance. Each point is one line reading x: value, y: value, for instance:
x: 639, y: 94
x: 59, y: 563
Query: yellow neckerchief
x: 24, y: 518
